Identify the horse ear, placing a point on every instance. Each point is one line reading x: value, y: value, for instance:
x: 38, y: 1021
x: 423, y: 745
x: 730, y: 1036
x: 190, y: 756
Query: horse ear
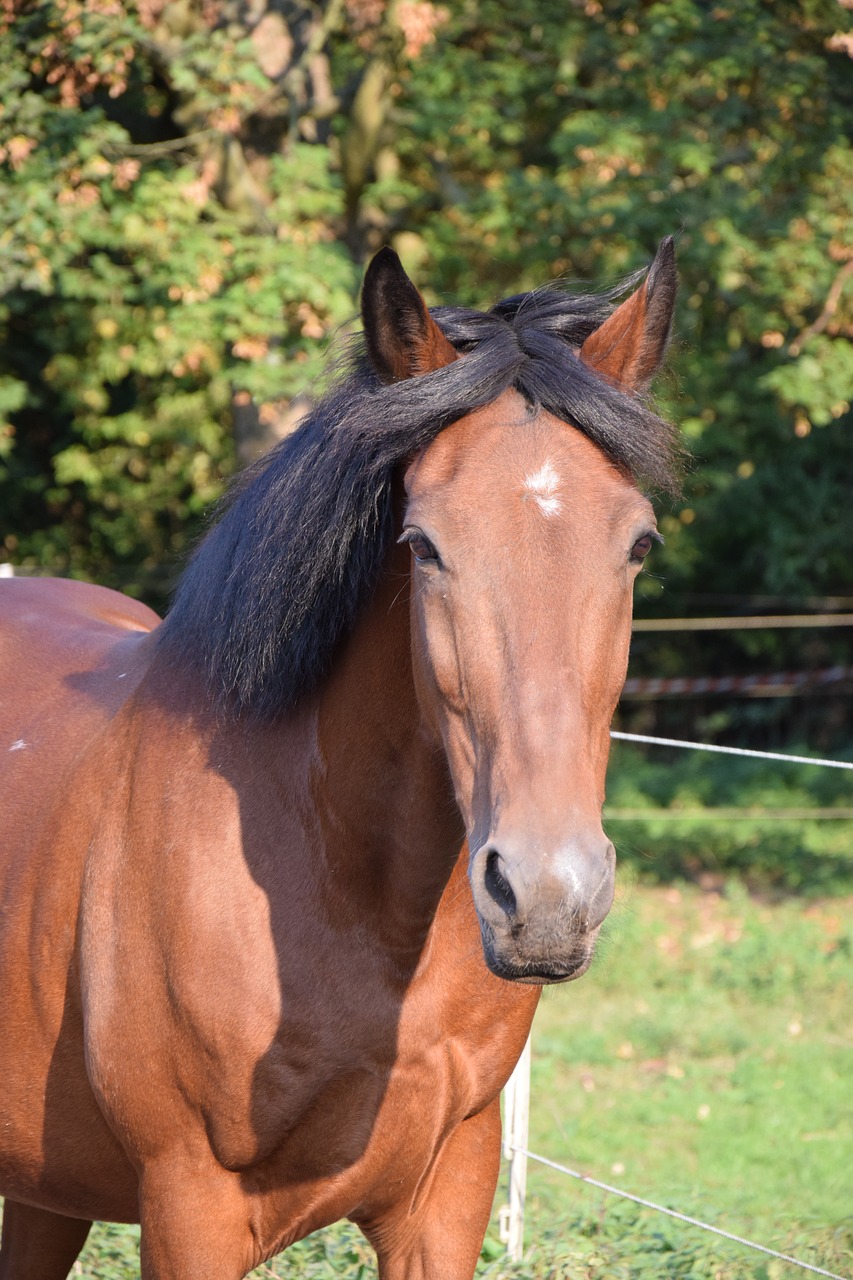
x: 403, y: 340
x: 629, y: 347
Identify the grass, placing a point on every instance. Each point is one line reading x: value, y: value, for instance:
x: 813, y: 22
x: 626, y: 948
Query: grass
x: 705, y: 1064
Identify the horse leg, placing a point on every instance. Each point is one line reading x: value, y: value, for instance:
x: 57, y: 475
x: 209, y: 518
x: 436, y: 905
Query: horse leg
x: 38, y: 1245
x: 194, y: 1224
x: 442, y: 1239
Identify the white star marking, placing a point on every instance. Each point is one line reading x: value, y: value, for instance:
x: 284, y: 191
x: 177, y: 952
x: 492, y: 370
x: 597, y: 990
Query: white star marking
x: 544, y: 485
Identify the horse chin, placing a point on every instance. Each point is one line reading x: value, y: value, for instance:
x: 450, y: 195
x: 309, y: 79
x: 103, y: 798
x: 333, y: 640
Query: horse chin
x: 540, y: 972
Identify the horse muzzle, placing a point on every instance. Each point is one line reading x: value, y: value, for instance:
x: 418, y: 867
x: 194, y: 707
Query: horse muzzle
x: 540, y: 912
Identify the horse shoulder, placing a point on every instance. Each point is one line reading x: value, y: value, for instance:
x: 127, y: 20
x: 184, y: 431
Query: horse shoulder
x: 69, y: 655
x: 68, y: 665
x: 181, y: 956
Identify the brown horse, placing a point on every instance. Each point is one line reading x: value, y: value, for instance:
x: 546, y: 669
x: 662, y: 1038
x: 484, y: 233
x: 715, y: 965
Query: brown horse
x: 243, y: 981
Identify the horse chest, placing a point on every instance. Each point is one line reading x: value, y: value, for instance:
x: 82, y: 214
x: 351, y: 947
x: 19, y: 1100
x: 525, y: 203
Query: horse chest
x: 337, y: 1072
x: 356, y: 1093
x: 354, y: 1139
x: 285, y: 1041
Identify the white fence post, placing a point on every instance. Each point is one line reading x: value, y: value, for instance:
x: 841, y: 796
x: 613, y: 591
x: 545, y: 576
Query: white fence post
x: 516, y: 1116
x: 7, y: 571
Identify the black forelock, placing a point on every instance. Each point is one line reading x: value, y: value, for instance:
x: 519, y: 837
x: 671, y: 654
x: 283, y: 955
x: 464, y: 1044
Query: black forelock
x: 302, y: 535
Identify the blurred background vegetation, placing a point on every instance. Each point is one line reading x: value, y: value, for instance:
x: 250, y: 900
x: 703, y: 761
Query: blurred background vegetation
x: 190, y: 190
x: 189, y: 193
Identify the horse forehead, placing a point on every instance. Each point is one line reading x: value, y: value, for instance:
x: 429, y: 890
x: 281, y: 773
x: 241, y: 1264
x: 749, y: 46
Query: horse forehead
x: 466, y: 444
x: 504, y: 447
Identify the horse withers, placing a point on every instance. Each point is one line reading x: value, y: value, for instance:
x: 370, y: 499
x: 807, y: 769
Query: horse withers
x: 250, y: 984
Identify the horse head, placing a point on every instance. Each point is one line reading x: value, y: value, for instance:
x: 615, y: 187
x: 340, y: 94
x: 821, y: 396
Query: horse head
x: 526, y: 536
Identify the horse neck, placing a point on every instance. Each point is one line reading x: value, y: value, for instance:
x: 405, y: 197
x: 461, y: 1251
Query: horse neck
x: 383, y: 789
x: 351, y: 778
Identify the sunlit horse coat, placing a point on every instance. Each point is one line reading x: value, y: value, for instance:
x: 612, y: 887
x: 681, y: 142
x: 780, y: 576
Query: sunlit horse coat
x: 250, y: 985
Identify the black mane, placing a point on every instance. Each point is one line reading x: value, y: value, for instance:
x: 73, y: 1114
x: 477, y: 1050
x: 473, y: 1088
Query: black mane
x: 302, y: 535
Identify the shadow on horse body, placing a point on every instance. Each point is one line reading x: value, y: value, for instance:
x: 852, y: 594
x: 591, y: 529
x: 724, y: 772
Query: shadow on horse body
x: 250, y: 984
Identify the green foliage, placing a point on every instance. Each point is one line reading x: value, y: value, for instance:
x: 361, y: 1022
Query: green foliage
x: 686, y: 835
x: 138, y: 305
x: 598, y: 1239
x: 615, y: 1242
x: 112, y: 1253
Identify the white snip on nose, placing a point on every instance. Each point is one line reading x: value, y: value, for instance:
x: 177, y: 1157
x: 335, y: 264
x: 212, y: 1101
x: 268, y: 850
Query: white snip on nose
x: 544, y: 485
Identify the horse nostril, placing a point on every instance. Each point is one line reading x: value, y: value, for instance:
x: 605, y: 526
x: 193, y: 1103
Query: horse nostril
x: 497, y: 885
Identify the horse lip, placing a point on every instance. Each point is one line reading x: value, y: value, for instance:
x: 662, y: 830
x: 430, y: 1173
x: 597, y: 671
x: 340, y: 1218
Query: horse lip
x: 543, y: 975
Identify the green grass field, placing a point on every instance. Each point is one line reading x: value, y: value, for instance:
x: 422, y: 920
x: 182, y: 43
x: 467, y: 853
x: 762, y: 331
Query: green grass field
x: 705, y: 1063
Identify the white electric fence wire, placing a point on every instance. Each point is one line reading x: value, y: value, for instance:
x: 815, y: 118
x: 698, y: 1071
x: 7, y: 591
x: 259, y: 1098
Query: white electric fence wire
x: 730, y: 751
x: 682, y: 1217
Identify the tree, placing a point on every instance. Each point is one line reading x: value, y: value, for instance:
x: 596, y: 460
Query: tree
x: 162, y: 278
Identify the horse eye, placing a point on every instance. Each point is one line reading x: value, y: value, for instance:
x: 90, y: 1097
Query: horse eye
x: 422, y: 548
x: 642, y: 547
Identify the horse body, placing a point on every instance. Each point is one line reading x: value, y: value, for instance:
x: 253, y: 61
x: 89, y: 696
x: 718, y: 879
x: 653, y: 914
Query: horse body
x: 229, y: 981
x: 243, y: 955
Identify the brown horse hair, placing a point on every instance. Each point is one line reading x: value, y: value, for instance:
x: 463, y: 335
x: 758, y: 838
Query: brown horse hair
x: 302, y: 535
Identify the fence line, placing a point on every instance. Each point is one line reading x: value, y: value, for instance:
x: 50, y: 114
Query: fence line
x: 752, y: 622
x: 777, y: 684
x: 741, y: 622
x: 674, y: 1213
x: 835, y: 814
x: 516, y: 1119
x: 730, y: 751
